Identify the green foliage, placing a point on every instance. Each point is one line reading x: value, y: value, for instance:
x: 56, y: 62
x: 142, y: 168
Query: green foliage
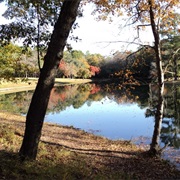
x: 16, y: 62
x: 171, y: 46
x: 9, y: 60
x: 170, y: 54
x: 94, y: 59
x: 77, y: 54
x: 31, y: 21
x: 21, y: 101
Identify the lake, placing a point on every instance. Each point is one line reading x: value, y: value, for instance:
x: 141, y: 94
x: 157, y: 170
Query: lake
x: 109, y: 110
x: 106, y: 117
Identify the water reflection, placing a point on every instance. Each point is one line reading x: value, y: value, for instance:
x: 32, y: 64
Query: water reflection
x: 17, y: 102
x: 170, y: 129
x: 109, y: 110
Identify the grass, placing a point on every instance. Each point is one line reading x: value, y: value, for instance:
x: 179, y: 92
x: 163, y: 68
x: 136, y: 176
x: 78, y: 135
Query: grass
x: 33, y: 81
x: 67, y: 153
x: 16, y: 85
x: 71, y: 81
x: 20, y: 84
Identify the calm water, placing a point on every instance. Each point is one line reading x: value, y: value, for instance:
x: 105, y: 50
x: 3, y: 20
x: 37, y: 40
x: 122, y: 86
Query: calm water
x: 107, y: 118
x: 108, y: 110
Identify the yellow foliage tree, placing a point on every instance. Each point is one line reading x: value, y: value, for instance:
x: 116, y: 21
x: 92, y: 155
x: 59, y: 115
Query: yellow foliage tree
x: 143, y: 13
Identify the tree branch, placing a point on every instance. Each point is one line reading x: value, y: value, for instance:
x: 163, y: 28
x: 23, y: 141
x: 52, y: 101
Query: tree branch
x: 145, y: 46
x: 170, y: 61
x: 139, y: 44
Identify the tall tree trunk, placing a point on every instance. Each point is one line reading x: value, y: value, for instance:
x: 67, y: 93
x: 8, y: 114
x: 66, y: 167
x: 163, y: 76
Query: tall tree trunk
x: 154, y: 148
x: 175, y: 68
x: 175, y: 99
x: 39, y: 102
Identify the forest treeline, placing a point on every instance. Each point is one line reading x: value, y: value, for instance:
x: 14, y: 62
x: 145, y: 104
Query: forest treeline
x: 15, y: 61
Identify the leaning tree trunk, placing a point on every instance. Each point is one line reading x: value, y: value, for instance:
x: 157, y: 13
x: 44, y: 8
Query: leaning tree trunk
x: 154, y: 148
x: 39, y: 102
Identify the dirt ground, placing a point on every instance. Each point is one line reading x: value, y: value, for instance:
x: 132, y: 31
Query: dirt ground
x: 98, y: 151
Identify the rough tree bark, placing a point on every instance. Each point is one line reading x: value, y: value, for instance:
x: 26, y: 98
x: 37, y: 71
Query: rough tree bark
x: 154, y: 148
x: 39, y: 102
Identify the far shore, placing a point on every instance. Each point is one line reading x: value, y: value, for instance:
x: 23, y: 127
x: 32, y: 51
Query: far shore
x: 19, y: 84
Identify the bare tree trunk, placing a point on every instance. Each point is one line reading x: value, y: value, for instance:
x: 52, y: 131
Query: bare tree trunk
x: 39, y: 102
x: 154, y: 148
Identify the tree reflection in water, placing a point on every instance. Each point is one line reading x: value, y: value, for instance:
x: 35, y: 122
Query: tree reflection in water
x: 170, y: 122
x: 159, y: 110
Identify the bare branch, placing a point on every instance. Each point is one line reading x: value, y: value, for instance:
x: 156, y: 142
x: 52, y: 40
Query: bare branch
x: 143, y: 25
x: 145, y: 46
x: 138, y: 27
x: 127, y: 42
x: 169, y: 64
x: 176, y: 53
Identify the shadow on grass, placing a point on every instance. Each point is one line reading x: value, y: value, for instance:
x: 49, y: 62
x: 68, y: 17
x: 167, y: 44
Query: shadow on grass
x: 69, y: 166
x: 54, y: 162
x: 12, y: 168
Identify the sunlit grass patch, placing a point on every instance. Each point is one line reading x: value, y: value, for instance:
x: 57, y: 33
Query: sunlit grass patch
x: 8, y: 139
x: 17, y: 82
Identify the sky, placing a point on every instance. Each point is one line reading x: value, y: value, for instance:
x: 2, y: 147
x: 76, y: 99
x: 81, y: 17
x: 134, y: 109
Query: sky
x: 98, y: 36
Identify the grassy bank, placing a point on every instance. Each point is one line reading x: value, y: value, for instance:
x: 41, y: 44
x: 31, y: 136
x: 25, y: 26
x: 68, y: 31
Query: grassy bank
x: 68, y: 153
x: 19, y: 84
x: 71, y: 81
x: 33, y: 81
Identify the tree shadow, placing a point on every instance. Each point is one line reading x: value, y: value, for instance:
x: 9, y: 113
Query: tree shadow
x: 77, y: 165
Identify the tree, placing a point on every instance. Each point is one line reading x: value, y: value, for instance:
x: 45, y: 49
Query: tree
x: 145, y: 13
x: 17, y: 62
x: 38, y: 106
x: 73, y: 64
x: 10, y: 56
x: 94, y: 59
x: 94, y: 70
x: 170, y: 44
x: 32, y: 22
x: 77, y: 54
